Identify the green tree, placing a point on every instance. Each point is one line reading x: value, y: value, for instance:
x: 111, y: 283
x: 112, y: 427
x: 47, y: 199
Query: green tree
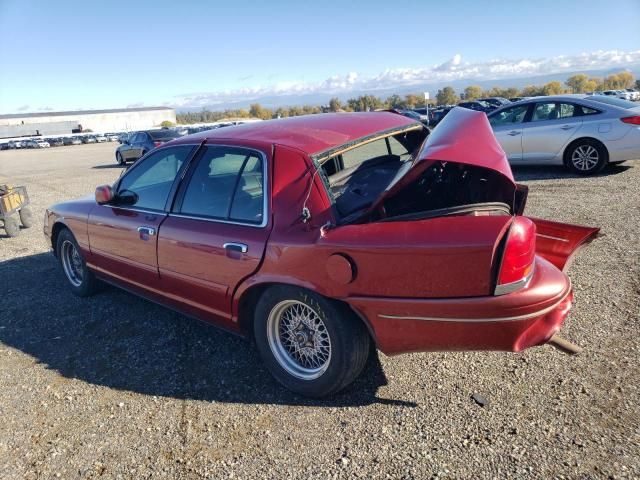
x: 472, y: 92
x: 531, y: 91
x: 447, y: 96
x: 553, y: 88
x: 396, y: 101
x: 335, y: 105
x: 577, y: 83
x: 258, y: 111
x: 167, y: 124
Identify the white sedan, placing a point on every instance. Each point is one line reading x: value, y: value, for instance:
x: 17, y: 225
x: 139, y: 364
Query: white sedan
x: 582, y: 132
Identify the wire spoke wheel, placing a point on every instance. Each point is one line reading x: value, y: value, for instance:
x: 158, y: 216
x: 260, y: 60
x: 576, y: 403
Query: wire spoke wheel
x: 72, y: 263
x: 299, y: 339
x: 585, y: 158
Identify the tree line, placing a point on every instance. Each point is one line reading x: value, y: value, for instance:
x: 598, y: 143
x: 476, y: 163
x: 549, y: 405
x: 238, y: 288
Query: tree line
x: 579, y: 83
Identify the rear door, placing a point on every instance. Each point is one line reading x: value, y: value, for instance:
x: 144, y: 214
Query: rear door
x: 551, y: 127
x: 123, y: 239
x: 216, y: 234
x: 507, y: 127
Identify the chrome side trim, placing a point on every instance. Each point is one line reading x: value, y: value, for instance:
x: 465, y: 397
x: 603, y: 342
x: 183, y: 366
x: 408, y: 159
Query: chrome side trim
x: 480, y: 320
x: 513, y: 286
x: 552, y: 237
x: 215, y: 220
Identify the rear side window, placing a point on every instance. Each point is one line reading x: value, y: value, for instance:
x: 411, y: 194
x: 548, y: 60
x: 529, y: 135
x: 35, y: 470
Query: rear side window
x: 567, y: 110
x: 587, y: 111
x: 227, y: 184
x: 546, y: 111
x: 367, y: 151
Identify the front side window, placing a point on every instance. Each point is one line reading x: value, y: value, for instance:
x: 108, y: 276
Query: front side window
x: 227, y: 184
x: 509, y: 115
x: 151, y: 179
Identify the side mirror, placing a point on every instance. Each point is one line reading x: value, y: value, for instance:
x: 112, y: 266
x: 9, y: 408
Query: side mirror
x: 104, y: 194
x: 126, y: 197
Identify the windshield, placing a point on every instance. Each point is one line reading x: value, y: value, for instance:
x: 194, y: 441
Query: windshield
x: 616, y: 102
x: 163, y: 134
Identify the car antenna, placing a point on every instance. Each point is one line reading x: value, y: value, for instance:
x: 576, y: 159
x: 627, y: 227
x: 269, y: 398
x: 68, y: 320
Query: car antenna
x: 306, y: 213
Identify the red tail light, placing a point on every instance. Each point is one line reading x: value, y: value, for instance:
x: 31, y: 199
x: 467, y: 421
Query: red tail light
x: 632, y: 120
x: 518, y: 256
x: 157, y: 144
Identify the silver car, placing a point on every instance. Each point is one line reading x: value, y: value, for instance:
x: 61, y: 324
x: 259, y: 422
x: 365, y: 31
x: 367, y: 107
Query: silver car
x: 581, y: 132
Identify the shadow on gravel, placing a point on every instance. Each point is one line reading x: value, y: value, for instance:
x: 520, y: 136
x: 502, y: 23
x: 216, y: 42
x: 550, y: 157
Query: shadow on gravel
x: 554, y: 172
x: 110, y: 165
x: 119, y: 341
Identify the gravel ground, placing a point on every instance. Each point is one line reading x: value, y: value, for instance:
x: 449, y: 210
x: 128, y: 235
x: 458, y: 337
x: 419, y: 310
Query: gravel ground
x: 117, y: 387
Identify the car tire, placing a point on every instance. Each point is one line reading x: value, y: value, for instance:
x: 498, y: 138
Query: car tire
x: 11, y: 226
x: 26, y: 217
x: 82, y: 280
x: 119, y: 158
x: 586, y: 156
x: 312, y: 345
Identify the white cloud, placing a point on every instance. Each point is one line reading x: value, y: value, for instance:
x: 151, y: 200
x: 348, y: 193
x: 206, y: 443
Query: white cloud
x: 451, y: 70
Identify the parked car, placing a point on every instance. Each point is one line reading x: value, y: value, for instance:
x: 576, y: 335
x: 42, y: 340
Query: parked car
x: 16, y: 144
x: 582, y: 132
x: 438, y: 114
x: 633, y: 94
x: 71, y: 141
x: 100, y: 138
x: 112, y: 137
x: 478, y: 105
x: 517, y: 99
x: 623, y: 95
x: 4, y: 146
x: 495, y: 101
x: 413, y: 115
x: 322, y: 235
x: 139, y: 144
x: 55, y: 142
x: 88, y: 139
x: 36, y: 143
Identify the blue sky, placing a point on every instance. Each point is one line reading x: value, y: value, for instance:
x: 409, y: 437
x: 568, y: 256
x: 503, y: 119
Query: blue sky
x: 67, y: 54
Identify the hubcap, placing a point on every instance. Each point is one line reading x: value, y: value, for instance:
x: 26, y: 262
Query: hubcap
x: 299, y: 339
x: 72, y: 263
x: 585, y: 157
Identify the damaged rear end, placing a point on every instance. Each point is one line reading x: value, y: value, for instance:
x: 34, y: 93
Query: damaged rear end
x: 511, y: 291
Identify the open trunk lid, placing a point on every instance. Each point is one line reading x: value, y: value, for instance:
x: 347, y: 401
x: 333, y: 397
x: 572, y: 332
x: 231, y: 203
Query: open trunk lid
x: 465, y: 138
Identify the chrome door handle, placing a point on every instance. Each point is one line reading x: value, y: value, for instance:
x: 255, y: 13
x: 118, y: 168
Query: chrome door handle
x: 566, y: 127
x: 150, y: 231
x: 513, y: 133
x: 236, y: 247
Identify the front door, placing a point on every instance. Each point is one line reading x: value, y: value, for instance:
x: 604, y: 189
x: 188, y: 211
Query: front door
x: 217, y: 233
x: 123, y: 239
x: 507, y: 127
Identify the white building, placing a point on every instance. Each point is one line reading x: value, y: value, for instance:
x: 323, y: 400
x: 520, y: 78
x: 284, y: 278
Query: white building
x: 57, y: 123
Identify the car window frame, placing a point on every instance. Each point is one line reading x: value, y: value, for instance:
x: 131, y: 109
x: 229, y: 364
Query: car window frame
x: 174, y: 186
x: 189, y: 172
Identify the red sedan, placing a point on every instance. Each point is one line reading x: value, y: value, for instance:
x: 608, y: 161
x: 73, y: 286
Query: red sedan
x: 320, y: 235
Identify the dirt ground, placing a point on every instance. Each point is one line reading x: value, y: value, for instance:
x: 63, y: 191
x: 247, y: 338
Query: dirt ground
x: 116, y: 387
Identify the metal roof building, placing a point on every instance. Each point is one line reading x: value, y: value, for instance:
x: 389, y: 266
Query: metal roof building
x: 57, y: 123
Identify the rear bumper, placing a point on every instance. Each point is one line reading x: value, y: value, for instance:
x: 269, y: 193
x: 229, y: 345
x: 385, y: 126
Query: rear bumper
x: 512, y: 322
x: 626, y: 148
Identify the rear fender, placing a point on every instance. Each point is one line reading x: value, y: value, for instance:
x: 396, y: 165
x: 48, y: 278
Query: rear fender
x: 559, y: 242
